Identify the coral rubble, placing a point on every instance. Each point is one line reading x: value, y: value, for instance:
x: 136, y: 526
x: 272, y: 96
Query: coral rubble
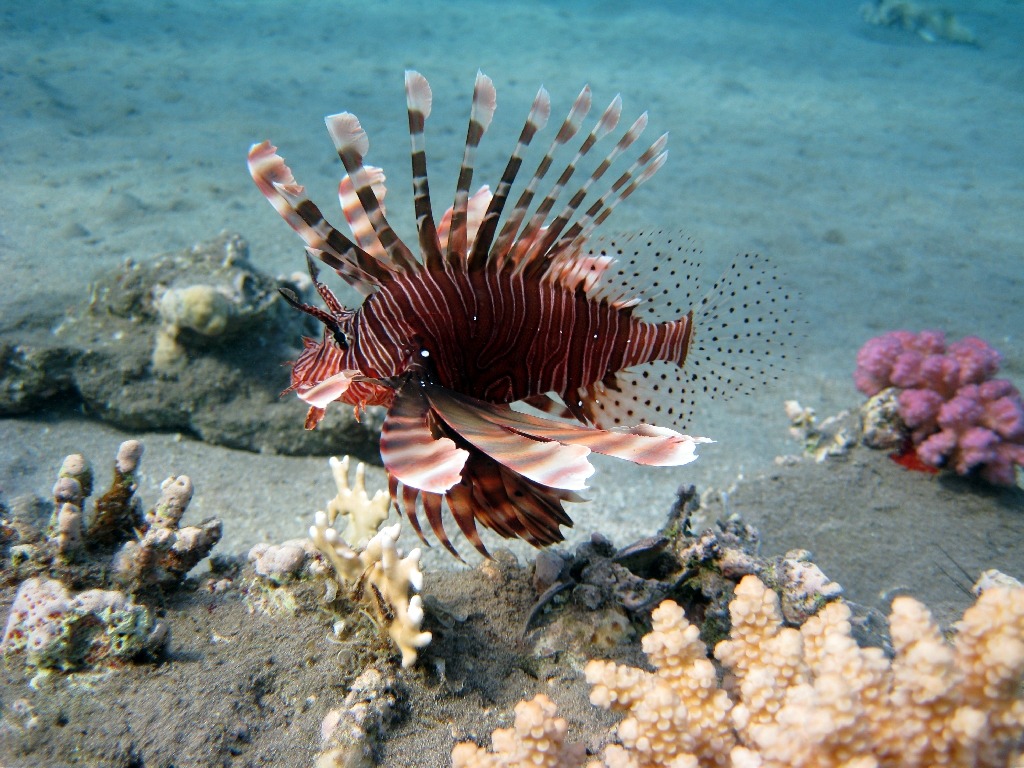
x: 349, y: 733
x: 928, y: 23
x: 956, y: 414
x: 114, y: 550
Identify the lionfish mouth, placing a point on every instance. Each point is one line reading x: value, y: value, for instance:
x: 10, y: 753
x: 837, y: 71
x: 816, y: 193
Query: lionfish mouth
x: 600, y: 338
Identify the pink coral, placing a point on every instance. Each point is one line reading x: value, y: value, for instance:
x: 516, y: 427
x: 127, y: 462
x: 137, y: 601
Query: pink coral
x: 959, y: 416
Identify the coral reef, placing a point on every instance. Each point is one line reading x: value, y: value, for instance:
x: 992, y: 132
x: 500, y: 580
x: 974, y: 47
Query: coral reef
x: 594, y: 597
x: 801, y: 697
x: 957, y: 414
x: 114, y: 551
x: 929, y: 24
x: 190, y: 341
x: 715, y: 560
x: 363, y: 558
x: 538, y: 738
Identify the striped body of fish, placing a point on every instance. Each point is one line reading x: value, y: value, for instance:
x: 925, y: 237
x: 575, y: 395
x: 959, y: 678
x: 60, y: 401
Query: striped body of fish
x: 533, y: 312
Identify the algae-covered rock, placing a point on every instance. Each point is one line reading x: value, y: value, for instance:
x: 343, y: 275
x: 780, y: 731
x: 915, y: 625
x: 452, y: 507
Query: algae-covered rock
x: 31, y: 375
x: 55, y: 629
x: 194, y: 342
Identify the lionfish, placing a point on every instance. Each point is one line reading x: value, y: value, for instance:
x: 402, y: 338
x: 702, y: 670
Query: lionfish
x: 530, y: 314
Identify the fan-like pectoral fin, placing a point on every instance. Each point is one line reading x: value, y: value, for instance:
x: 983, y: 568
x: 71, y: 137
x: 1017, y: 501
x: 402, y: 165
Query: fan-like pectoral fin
x: 412, y: 452
x: 327, y: 391
x: 642, y: 444
x: 540, y: 459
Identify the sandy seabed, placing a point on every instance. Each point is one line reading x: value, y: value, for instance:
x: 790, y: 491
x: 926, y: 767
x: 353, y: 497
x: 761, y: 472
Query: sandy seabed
x: 881, y: 173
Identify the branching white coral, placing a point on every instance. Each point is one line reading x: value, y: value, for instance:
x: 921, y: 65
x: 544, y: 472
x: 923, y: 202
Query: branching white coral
x: 378, y: 573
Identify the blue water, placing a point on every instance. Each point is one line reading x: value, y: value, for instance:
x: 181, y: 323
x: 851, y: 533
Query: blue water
x: 882, y: 172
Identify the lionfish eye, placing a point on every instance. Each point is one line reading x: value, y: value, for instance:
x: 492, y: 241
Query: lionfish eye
x: 340, y: 338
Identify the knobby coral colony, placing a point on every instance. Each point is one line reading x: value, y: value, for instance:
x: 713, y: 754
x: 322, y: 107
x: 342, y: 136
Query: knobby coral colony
x: 527, y: 314
x: 959, y: 416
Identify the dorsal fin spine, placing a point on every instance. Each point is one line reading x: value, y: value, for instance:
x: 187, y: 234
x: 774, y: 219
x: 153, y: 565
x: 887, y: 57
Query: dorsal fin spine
x: 506, y: 238
x: 481, y: 113
x: 540, y: 111
x: 418, y: 100
x: 352, y: 144
x: 599, y: 211
x: 529, y: 239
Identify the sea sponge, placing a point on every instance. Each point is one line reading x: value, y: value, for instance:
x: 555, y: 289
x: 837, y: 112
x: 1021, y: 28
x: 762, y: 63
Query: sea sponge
x: 57, y: 630
x: 199, y: 309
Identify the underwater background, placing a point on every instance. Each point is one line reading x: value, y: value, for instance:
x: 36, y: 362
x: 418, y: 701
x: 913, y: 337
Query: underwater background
x: 879, y: 167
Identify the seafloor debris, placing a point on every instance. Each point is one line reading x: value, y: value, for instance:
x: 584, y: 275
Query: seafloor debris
x: 113, y: 550
x: 956, y: 415
x: 595, y: 596
x: 192, y: 342
x: 350, y: 732
x: 930, y: 24
x: 800, y: 697
x: 364, y: 558
x: 833, y: 436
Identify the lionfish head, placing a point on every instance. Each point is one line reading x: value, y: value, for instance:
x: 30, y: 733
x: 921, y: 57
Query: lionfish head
x: 321, y: 373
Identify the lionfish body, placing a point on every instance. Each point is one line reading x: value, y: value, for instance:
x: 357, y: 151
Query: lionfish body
x: 497, y: 312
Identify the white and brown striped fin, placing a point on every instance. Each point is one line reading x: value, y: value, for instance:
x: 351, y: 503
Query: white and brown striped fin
x: 493, y: 496
x: 549, y: 403
x: 555, y: 260
x: 546, y: 462
x: 481, y: 114
x: 540, y: 111
x: 410, y: 450
x: 475, y: 212
x: 352, y: 209
x: 275, y: 180
x: 529, y: 240
x: 642, y: 444
x: 640, y: 171
x: 406, y: 499
x: 506, y: 239
x: 418, y: 99
x: 352, y: 145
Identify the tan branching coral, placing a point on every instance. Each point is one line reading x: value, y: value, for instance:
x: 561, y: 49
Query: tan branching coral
x: 536, y: 739
x: 812, y: 697
x: 363, y: 514
x: 378, y: 573
x: 675, y: 714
